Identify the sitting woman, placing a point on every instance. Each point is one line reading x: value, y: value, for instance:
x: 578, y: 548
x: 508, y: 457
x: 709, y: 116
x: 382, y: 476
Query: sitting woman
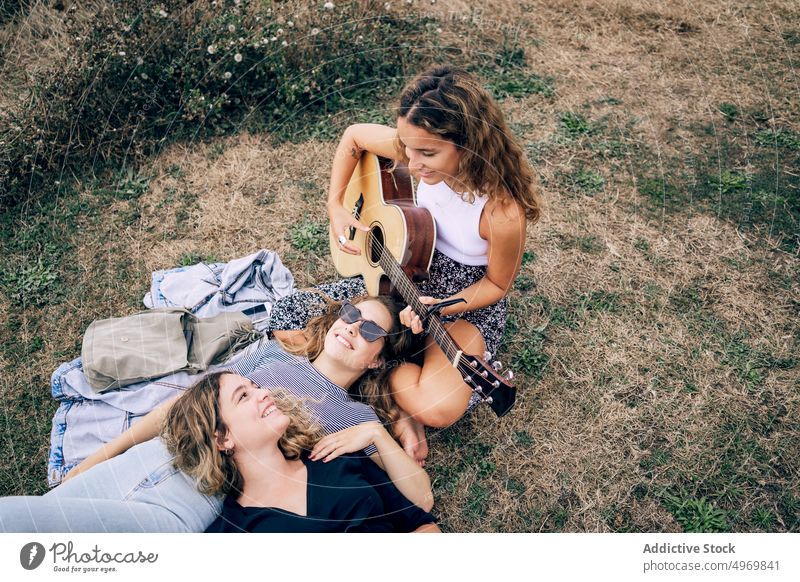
x: 261, y: 448
x: 339, y: 373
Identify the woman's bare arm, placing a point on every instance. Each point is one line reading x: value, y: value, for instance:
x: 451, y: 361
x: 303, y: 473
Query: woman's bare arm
x: 147, y: 428
x: 371, y: 137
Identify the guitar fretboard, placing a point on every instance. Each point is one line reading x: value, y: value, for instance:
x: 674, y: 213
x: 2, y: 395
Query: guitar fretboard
x: 411, y: 294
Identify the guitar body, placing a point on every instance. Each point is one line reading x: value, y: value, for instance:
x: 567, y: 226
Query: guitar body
x: 385, y: 203
x: 396, y: 252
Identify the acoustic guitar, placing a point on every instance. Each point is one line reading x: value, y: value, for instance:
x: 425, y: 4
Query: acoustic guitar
x: 396, y: 252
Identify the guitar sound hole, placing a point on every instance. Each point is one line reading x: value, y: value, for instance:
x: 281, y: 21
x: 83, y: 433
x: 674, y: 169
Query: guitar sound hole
x: 375, y: 244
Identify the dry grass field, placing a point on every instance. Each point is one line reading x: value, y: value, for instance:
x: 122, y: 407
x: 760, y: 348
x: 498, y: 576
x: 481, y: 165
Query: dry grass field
x: 654, y: 324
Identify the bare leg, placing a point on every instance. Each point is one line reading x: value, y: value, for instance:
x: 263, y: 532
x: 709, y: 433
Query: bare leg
x: 435, y: 394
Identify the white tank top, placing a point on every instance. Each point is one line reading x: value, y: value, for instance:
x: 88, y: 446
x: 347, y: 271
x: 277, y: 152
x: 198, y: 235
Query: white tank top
x: 457, y: 223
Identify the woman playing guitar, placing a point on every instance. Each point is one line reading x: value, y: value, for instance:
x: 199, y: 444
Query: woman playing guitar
x: 476, y: 181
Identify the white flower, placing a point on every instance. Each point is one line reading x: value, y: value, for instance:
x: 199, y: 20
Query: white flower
x: 144, y: 76
x: 387, y: 5
x: 227, y: 75
x: 121, y: 53
x: 290, y: 24
x: 328, y: 6
x: 314, y: 31
x: 280, y: 31
x: 438, y: 31
x: 237, y: 57
x: 162, y: 13
x: 284, y: 43
x: 273, y: 39
x: 231, y: 28
x: 139, y: 61
x: 409, y: 2
x: 212, y: 48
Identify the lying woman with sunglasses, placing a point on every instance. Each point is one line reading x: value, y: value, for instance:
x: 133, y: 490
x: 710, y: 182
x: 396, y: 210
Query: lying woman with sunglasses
x: 261, y: 449
x: 339, y: 373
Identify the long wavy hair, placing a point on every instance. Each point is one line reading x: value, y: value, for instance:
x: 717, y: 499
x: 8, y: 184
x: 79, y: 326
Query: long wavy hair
x: 450, y: 102
x: 373, y: 386
x: 194, y: 423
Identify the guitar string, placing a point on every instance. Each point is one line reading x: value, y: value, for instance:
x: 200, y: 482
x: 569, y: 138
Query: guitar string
x: 439, y: 333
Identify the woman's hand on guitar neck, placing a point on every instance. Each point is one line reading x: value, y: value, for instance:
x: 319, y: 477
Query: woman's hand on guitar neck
x: 409, y: 317
x: 341, y: 222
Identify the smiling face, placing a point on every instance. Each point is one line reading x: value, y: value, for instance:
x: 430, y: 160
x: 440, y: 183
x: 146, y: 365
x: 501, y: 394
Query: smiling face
x: 345, y: 343
x: 431, y: 158
x: 250, y: 413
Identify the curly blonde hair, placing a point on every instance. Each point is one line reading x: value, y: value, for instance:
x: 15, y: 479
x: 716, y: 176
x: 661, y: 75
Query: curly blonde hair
x: 451, y: 103
x: 194, y: 423
x: 373, y: 386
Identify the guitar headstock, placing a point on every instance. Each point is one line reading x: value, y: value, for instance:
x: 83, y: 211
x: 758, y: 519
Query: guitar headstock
x: 485, y: 379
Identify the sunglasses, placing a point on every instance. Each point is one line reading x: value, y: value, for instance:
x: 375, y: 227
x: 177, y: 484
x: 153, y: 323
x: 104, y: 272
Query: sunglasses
x: 368, y: 329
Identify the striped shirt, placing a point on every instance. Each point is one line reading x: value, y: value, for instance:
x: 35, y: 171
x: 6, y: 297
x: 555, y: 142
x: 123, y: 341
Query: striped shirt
x: 331, y: 406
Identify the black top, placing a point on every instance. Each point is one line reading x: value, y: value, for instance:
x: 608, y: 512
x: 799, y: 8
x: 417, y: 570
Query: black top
x: 348, y: 494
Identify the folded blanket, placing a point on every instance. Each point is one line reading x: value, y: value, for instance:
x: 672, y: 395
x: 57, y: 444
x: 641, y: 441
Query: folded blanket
x: 250, y: 284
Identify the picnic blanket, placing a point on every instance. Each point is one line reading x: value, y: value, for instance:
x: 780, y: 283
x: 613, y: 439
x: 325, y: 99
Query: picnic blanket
x: 86, y: 419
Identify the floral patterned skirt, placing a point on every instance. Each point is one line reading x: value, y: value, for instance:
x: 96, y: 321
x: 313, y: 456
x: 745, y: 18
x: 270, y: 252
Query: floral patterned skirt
x: 447, y: 277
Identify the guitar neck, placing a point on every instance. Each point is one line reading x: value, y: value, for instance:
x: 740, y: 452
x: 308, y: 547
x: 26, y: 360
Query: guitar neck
x: 411, y: 295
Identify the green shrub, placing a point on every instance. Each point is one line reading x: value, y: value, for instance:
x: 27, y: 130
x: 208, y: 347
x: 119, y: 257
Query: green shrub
x: 148, y: 73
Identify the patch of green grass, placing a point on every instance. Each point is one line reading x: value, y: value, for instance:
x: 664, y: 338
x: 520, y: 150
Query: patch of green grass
x: 521, y: 437
x: 790, y: 511
x: 574, y: 124
x: 695, y: 515
x: 589, y: 244
x: 730, y: 111
x: 528, y: 257
x: 524, y: 283
x: 521, y: 84
x: 782, y: 138
x: 587, y: 181
x: 193, y: 257
x: 515, y: 486
x: 763, y: 518
x: 175, y: 171
x: 31, y: 283
x: 746, y: 361
x: 657, y: 458
x: 659, y: 191
x: 309, y: 236
x: 478, y: 499
x: 609, y: 100
x: 127, y: 186
x: 728, y: 182
x: 600, y: 301
x: 532, y: 361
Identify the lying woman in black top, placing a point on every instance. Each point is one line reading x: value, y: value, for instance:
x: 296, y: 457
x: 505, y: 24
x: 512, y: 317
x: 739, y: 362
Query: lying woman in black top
x: 261, y: 449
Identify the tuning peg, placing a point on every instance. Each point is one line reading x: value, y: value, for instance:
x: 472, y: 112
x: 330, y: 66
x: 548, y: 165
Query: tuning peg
x: 489, y: 400
x: 485, y: 374
x: 487, y: 355
x: 496, y: 383
x: 474, y: 363
x: 509, y: 375
x: 467, y: 379
x: 497, y: 365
